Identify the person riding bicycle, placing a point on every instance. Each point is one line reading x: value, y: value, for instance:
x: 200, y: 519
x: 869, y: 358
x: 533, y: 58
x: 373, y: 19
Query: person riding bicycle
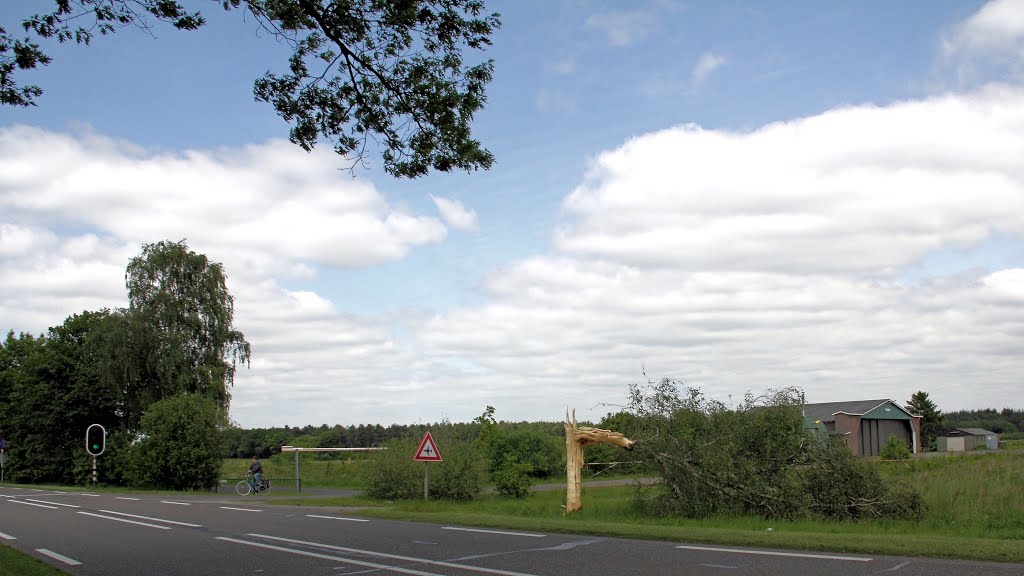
x: 256, y: 469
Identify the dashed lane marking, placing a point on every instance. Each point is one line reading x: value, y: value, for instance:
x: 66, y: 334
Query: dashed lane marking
x: 7, y: 536
x: 31, y: 504
x: 153, y: 519
x: 88, y: 494
x: 337, y: 518
x: 60, y: 557
x: 384, y: 567
x: 494, y: 532
x: 175, y: 503
x: 390, y: 556
x: 124, y: 498
x: 126, y: 521
x: 54, y: 503
x: 242, y: 509
x: 771, y: 553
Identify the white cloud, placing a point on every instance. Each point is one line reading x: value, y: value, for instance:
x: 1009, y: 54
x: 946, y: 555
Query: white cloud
x: 706, y: 64
x: 563, y: 66
x: 455, y: 214
x: 272, y: 203
x: 862, y: 190
x: 989, y: 43
x: 734, y: 261
x: 621, y: 28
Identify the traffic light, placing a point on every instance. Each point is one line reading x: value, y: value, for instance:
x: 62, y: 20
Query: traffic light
x: 95, y: 440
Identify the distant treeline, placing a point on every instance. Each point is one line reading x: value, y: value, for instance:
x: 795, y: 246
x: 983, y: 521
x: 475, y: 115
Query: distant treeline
x: 265, y: 442
x: 999, y: 421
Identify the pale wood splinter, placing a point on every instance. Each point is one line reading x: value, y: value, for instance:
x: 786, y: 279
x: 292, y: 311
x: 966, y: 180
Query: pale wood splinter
x: 576, y: 437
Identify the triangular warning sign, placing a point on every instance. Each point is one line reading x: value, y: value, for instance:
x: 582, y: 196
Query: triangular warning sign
x: 427, y: 452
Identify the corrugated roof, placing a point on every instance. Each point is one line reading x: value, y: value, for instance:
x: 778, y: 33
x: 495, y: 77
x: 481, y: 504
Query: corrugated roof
x: 976, y: 431
x: 826, y: 411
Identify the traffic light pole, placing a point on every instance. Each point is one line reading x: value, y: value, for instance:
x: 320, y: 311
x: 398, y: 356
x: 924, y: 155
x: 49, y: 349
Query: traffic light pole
x: 94, y: 477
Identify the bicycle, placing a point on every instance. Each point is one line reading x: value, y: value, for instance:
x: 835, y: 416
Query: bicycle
x: 244, y: 487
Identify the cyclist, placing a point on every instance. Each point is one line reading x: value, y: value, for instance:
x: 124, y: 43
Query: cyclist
x: 256, y: 469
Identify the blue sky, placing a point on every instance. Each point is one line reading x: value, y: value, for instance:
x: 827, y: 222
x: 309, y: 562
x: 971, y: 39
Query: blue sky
x: 600, y: 211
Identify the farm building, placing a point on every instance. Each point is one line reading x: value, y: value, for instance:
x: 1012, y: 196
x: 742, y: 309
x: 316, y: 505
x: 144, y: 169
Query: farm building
x: 866, y: 425
x: 961, y: 439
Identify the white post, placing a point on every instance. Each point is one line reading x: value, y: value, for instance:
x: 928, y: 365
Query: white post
x: 426, y: 475
x: 298, y: 487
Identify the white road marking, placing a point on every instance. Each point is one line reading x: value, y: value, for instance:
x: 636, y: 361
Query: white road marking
x: 337, y: 518
x: 126, y: 521
x: 769, y: 553
x: 125, y: 498
x: 720, y: 566
x: 56, y: 556
x: 7, y: 536
x: 54, y: 503
x: 153, y: 519
x: 384, y: 567
x: 391, y: 556
x: 242, y: 509
x: 175, y: 503
x: 36, y: 490
x: 87, y: 494
x: 31, y: 504
x: 493, y: 532
x: 898, y: 566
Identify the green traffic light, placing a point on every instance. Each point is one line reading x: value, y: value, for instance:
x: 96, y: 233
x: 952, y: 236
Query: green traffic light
x: 95, y: 446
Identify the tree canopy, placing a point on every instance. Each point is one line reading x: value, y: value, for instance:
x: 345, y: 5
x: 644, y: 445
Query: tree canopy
x: 384, y: 72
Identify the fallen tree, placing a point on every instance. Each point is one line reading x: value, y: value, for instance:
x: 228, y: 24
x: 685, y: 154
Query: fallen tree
x: 757, y: 457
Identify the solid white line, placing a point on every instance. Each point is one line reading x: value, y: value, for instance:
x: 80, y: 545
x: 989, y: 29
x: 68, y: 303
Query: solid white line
x: 338, y: 518
x: 31, y: 504
x: 768, y: 553
x: 175, y: 503
x: 56, y: 556
x: 153, y: 519
x: 493, y: 532
x: 7, y: 536
x: 87, y: 494
x: 54, y: 503
x: 327, y: 557
x: 241, y: 509
x: 392, y: 556
x: 127, y: 521
x: 125, y: 498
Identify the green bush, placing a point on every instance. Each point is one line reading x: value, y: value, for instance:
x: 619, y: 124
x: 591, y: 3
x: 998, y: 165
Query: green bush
x: 541, y: 455
x: 894, y: 449
x: 392, y: 474
x: 512, y: 479
x: 181, y: 444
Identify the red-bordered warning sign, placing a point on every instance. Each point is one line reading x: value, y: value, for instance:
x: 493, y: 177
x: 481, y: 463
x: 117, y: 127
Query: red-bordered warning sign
x: 427, y: 452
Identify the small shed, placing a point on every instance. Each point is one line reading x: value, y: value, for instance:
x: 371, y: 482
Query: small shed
x: 961, y: 439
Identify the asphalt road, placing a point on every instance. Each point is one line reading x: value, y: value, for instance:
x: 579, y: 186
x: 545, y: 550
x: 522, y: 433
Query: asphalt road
x: 125, y: 534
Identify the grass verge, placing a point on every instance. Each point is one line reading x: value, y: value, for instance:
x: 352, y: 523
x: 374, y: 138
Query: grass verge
x: 17, y: 563
x: 608, y: 512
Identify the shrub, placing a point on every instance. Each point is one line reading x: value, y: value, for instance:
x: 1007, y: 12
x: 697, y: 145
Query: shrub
x: 512, y: 479
x: 392, y: 474
x: 181, y: 446
x: 894, y: 449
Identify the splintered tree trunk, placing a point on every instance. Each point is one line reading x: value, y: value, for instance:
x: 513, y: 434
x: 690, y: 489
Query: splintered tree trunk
x: 575, y: 439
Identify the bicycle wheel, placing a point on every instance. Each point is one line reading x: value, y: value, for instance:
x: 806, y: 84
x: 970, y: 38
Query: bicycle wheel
x: 264, y: 488
x: 243, y: 488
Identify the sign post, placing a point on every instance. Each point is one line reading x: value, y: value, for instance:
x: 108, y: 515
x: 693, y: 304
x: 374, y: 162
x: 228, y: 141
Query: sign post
x: 427, y: 453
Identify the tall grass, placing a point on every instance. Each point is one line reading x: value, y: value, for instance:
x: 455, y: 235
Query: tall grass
x: 977, y: 493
